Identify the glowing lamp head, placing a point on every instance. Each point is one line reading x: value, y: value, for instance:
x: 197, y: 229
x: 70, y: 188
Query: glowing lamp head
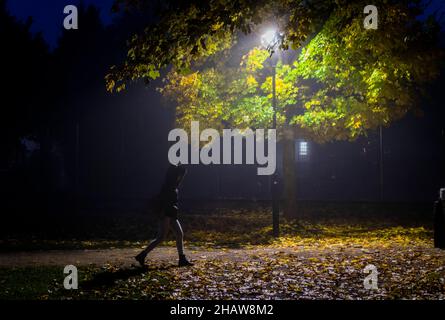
x: 268, y: 38
x: 271, y: 39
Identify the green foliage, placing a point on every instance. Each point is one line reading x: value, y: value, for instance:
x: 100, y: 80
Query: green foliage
x: 365, y: 78
x: 190, y: 31
x: 346, y: 81
x: 240, y: 96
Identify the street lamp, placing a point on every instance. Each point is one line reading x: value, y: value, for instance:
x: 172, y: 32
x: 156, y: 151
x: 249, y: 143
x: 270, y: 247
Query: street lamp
x: 271, y: 41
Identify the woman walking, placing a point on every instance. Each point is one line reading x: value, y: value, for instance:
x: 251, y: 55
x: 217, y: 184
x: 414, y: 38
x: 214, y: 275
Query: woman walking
x: 169, y: 206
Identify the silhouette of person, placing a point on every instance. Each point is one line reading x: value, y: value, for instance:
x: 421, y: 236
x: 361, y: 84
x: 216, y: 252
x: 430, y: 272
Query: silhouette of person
x: 168, y: 198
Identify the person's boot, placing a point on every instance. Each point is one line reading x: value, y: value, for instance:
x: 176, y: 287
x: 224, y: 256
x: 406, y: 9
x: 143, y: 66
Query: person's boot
x: 183, y: 262
x: 141, y: 259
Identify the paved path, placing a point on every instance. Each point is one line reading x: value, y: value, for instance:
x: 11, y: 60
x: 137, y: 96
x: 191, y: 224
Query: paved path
x: 125, y: 256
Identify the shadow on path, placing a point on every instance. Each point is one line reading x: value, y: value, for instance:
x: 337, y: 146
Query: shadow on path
x: 109, y: 277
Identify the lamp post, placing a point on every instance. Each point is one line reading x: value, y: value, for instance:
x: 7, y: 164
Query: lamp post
x: 271, y: 41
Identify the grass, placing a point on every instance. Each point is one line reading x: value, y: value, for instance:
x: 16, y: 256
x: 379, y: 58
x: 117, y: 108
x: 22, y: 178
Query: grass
x: 227, y: 228
x: 27, y: 283
x: 106, y: 282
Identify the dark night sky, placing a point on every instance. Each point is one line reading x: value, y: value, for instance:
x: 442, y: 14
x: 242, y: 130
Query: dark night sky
x: 48, y: 14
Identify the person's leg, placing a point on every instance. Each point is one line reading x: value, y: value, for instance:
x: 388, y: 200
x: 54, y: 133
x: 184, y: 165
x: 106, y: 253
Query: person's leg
x: 163, y: 230
x: 176, y: 226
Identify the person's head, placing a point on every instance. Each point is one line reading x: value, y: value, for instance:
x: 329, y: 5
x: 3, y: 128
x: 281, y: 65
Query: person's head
x: 175, y: 174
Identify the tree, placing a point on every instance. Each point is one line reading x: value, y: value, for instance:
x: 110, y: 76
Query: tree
x: 345, y: 82
x: 240, y: 97
x: 187, y: 32
x: 82, y: 57
x: 24, y: 61
x: 27, y: 105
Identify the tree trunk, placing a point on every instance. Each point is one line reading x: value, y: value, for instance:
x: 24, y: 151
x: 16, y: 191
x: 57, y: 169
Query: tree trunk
x: 289, y: 174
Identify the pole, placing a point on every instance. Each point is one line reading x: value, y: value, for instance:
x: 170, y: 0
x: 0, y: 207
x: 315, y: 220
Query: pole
x: 76, y: 166
x: 381, y: 165
x: 275, y: 204
x: 443, y: 158
x: 274, y: 97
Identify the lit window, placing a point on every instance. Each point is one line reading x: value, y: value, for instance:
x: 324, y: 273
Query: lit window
x: 303, y: 148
